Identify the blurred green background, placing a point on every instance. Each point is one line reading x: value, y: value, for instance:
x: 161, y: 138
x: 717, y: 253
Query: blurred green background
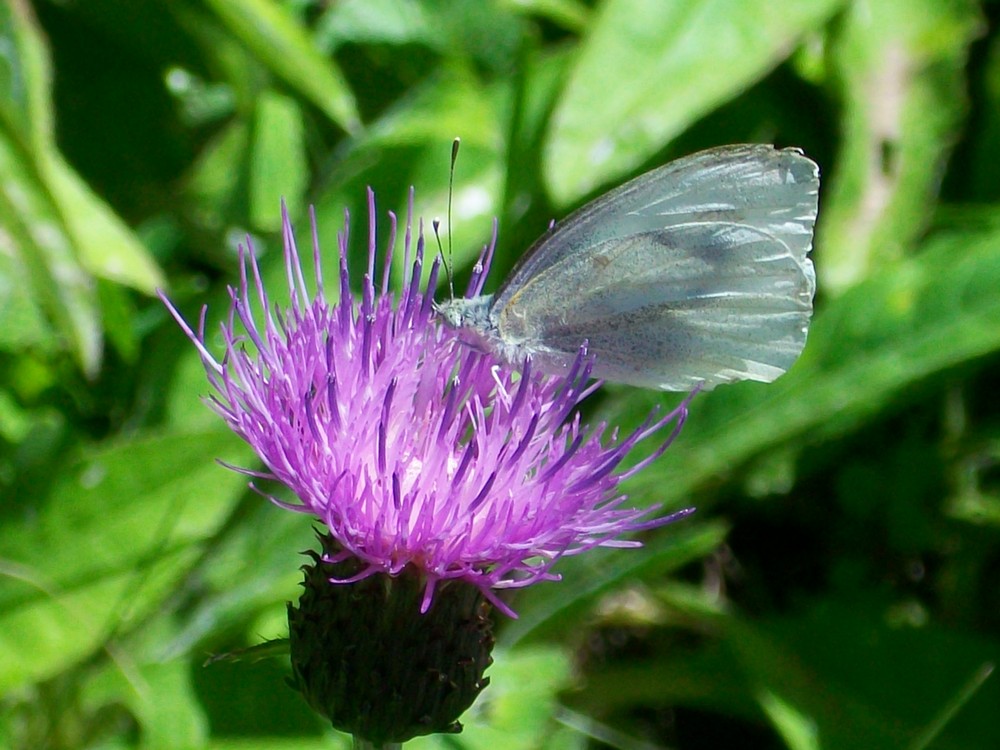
x: 838, y: 587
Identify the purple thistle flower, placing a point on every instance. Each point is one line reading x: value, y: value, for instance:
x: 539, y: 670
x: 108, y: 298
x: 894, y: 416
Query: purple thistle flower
x: 413, y: 449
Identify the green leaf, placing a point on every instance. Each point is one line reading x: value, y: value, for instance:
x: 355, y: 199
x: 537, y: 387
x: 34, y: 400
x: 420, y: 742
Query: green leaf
x: 278, y: 166
x: 23, y: 322
x: 648, y: 69
x: 570, y: 14
x: 106, y: 246
x: 240, y: 598
x: 119, y: 320
x: 63, y: 234
x: 410, y: 146
x: 841, y: 669
x: 168, y: 709
x: 282, y: 44
x: 376, y: 21
x: 103, y: 549
x: 796, y: 727
x: 459, y: 30
x: 218, y: 179
x: 900, y: 69
x: 44, y: 262
x: 25, y: 74
x: 545, y: 608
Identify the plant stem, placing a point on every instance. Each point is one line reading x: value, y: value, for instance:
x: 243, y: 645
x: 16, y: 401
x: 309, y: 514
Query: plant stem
x: 362, y: 744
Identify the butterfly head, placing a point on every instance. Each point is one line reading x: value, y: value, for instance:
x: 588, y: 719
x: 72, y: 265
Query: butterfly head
x: 471, y: 318
x: 464, y: 313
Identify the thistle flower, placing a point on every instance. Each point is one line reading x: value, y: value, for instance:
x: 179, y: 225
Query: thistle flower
x: 420, y: 456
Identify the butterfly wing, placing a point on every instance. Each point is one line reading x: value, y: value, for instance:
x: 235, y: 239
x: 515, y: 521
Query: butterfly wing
x: 696, y: 272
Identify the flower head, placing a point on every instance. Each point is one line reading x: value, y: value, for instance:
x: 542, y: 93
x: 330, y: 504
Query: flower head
x: 414, y: 450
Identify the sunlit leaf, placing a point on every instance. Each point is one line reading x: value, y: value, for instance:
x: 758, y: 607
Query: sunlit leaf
x: 277, y: 159
x: 110, y: 541
x: 167, y: 707
x: 379, y: 21
x: 107, y: 247
x: 648, y: 69
x: 44, y: 263
x: 569, y: 14
x: 281, y: 43
x: 457, y: 29
x: 900, y: 66
x: 62, y: 233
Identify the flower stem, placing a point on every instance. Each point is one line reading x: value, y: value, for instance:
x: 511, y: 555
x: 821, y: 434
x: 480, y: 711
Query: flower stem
x: 363, y: 744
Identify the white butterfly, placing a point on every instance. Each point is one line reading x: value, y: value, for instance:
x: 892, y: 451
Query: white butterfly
x: 696, y: 273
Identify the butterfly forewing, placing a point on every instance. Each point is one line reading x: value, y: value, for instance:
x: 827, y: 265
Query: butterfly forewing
x: 693, y: 273
x: 751, y: 183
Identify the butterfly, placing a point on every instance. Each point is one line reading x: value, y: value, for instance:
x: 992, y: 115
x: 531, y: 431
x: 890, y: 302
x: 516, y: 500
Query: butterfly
x: 694, y: 274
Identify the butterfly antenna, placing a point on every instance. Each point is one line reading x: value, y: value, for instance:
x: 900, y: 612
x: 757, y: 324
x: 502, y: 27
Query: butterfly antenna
x: 436, y: 226
x: 451, y: 192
